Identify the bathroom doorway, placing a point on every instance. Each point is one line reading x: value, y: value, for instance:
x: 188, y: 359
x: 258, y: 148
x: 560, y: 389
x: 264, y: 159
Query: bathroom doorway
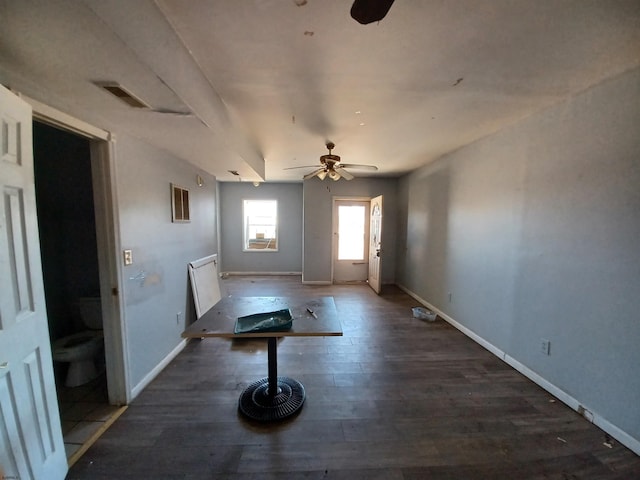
x: 71, y: 272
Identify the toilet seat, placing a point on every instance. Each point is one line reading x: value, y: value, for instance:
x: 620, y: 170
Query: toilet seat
x: 79, y: 350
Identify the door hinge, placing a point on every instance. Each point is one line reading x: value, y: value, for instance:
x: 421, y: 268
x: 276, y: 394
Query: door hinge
x: 114, y: 291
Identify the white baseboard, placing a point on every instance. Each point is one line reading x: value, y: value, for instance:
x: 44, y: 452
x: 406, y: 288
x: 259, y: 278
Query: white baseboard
x: 623, y: 437
x: 317, y: 282
x: 148, y: 378
x: 259, y: 274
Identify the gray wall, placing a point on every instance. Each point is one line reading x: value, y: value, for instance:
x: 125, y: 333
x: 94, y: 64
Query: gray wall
x: 535, y: 232
x: 288, y: 258
x: 318, y: 212
x: 157, y: 284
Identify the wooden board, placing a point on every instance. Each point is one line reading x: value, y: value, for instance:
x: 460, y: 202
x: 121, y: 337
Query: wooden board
x: 204, y: 283
x: 220, y: 320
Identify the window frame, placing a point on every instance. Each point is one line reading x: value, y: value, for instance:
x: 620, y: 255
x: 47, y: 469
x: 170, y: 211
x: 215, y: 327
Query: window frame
x: 246, y: 240
x: 180, y: 204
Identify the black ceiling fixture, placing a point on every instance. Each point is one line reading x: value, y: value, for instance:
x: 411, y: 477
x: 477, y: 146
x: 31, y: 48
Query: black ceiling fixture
x: 368, y: 11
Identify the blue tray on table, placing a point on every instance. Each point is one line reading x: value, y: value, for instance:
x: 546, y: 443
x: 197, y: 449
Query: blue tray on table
x: 278, y: 321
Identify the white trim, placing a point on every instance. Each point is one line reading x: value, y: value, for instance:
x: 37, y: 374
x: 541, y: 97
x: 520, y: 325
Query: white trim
x: 55, y: 117
x: 148, y: 378
x: 317, y: 282
x: 102, y: 162
x: 623, y: 437
x: 258, y: 274
x: 103, y: 168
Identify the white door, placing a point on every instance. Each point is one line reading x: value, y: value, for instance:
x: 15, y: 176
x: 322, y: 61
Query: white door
x: 351, y: 240
x: 375, y: 244
x: 31, y: 445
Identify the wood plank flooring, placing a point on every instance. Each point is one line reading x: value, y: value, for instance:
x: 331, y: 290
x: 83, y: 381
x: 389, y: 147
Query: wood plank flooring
x: 394, y: 398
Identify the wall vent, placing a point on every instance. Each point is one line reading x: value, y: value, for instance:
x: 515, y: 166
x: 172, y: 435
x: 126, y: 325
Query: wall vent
x: 121, y: 93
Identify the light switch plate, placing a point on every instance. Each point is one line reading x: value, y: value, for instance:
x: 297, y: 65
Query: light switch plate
x: 128, y: 257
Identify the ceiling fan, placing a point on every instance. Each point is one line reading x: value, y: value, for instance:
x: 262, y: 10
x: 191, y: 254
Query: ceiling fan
x: 331, y: 166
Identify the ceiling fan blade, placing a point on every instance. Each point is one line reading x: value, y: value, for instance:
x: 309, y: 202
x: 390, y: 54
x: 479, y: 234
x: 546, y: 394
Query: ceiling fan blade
x: 358, y: 167
x: 343, y: 173
x: 368, y: 11
x: 313, y: 174
x: 304, y: 166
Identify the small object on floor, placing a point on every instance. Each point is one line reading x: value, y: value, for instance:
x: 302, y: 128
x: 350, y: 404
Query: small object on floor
x: 312, y: 313
x: 424, y: 314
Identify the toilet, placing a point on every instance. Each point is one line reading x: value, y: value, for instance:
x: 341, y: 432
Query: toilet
x: 80, y: 350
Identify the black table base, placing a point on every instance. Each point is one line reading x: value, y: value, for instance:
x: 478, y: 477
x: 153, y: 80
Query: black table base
x: 257, y: 404
x: 272, y: 398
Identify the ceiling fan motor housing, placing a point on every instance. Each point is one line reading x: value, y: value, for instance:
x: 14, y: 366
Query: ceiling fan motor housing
x: 329, y: 158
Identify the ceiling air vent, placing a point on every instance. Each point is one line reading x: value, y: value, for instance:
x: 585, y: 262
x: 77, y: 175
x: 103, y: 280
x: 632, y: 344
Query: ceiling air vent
x: 118, y: 91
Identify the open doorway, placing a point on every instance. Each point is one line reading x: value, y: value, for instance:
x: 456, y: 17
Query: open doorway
x: 351, y: 240
x: 71, y: 274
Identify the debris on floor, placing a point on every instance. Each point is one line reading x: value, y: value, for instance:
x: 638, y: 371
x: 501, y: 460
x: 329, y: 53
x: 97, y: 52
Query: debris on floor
x: 424, y: 314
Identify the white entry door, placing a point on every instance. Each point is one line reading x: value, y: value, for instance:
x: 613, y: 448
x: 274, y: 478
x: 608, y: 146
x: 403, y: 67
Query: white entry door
x: 375, y: 244
x: 31, y: 445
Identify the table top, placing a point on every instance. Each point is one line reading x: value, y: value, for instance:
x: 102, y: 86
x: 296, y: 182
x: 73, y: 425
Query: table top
x: 220, y: 320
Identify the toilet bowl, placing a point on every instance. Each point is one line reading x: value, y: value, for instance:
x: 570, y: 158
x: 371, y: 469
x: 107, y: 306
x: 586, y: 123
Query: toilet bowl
x: 81, y: 349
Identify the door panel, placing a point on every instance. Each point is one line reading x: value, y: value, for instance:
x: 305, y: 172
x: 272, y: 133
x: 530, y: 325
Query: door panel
x: 31, y: 445
x: 375, y: 244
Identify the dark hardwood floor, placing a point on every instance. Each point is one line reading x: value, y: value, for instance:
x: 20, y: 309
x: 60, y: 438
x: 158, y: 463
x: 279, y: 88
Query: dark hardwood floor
x: 394, y: 398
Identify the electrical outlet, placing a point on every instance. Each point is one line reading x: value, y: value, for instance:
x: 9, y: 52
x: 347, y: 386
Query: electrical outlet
x: 545, y: 346
x: 450, y: 295
x: 128, y: 257
x: 178, y: 318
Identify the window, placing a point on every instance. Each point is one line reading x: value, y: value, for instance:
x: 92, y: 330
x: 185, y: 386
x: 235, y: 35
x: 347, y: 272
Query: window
x: 179, y: 204
x: 260, y: 225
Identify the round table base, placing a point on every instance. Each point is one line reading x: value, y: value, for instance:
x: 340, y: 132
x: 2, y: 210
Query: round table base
x: 256, y: 403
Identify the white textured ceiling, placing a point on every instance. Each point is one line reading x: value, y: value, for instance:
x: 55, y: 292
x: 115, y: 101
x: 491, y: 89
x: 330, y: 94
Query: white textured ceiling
x: 260, y: 85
